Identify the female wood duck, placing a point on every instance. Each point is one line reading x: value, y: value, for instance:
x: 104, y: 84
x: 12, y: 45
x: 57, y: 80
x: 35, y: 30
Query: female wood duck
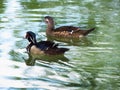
x: 42, y: 47
x: 64, y: 31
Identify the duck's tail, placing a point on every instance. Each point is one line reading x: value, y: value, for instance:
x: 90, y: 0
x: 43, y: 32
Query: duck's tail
x: 86, y: 32
x: 63, y: 50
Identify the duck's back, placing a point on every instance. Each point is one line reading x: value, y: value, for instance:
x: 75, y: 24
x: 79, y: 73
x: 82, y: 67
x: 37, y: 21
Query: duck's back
x: 70, y: 32
x: 44, y: 45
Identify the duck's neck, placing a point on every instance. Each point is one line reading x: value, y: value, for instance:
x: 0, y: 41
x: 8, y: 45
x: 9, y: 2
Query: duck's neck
x: 50, y: 26
x: 32, y: 40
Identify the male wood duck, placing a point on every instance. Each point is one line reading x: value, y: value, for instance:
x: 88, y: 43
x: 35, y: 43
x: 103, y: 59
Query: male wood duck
x: 42, y: 47
x: 64, y: 31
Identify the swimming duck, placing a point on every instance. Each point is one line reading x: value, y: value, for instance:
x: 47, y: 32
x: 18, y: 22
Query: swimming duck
x: 42, y: 47
x: 64, y: 31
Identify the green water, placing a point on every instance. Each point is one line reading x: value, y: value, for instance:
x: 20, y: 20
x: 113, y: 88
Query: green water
x: 92, y: 63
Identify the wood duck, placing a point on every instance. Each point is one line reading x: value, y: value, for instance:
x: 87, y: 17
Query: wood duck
x: 64, y: 31
x: 42, y: 47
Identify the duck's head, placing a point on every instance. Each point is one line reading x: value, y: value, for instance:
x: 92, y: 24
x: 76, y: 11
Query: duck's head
x: 31, y: 37
x: 48, y: 19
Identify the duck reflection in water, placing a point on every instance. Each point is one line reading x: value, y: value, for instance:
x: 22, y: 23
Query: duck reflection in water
x: 43, y: 50
x: 83, y: 41
x: 31, y: 61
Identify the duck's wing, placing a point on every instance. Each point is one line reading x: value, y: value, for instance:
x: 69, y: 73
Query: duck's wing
x: 72, y: 30
x: 67, y: 29
x: 56, y: 51
x: 45, y: 45
x: 51, y: 48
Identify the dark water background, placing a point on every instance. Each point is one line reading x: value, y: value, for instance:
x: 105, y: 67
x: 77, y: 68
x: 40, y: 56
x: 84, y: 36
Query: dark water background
x: 93, y: 63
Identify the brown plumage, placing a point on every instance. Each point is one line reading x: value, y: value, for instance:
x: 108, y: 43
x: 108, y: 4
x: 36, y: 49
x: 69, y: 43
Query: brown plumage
x: 64, y: 31
x: 43, y: 47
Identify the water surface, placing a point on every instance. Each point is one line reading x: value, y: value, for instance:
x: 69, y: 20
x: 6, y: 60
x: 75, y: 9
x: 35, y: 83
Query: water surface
x: 93, y: 63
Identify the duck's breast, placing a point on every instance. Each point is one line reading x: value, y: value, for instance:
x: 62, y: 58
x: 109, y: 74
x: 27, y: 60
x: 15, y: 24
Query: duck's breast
x: 35, y: 50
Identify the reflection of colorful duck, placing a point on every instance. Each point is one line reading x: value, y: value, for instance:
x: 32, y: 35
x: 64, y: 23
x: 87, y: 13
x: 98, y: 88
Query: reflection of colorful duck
x: 43, y: 47
x: 54, y: 58
x: 64, y: 31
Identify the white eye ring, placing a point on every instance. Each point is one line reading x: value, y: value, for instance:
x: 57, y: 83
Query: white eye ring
x: 47, y: 20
